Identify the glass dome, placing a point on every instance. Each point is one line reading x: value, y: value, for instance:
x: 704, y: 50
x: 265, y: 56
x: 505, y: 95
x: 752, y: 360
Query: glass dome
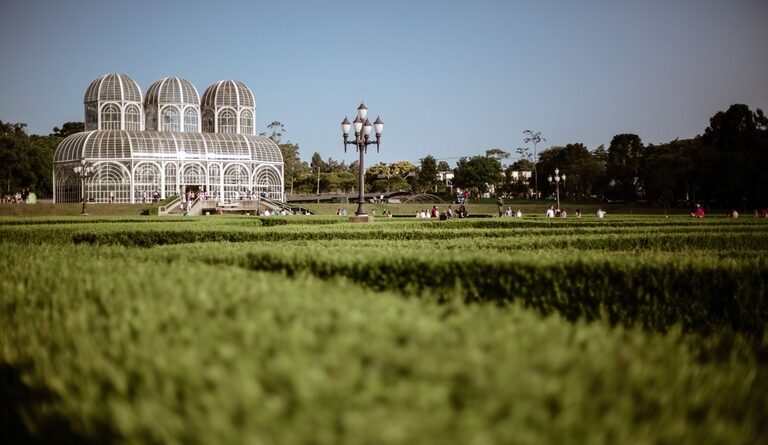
x: 227, y: 93
x: 172, y: 104
x: 172, y: 90
x: 112, y: 87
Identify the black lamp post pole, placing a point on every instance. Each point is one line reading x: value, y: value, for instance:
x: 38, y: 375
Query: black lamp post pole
x: 83, y: 171
x: 82, y: 189
x: 361, y: 180
x: 362, y: 127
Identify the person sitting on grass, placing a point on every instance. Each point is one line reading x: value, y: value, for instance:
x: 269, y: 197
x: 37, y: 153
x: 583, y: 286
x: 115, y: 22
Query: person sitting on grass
x: 600, y: 213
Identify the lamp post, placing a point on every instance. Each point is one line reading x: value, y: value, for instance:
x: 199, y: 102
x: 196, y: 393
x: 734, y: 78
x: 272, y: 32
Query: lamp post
x: 362, y: 140
x: 83, y: 171
x: 556, y: 180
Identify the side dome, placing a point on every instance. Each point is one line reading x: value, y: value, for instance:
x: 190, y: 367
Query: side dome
x: 228, y: 107
x: 113, y: 102
x: 172, y: 104
x: 112, y: 87
x: 227, y: 93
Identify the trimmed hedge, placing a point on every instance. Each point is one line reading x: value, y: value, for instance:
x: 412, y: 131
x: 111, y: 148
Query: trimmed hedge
x: 701, y: 295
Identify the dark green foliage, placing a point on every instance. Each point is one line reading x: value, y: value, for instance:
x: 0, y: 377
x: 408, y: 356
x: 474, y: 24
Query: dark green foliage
x: 477, y: 173
x: 701, y: 296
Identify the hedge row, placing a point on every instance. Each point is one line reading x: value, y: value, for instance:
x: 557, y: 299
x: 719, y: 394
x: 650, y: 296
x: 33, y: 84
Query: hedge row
x: 615, y: 242
x: 700, y: 295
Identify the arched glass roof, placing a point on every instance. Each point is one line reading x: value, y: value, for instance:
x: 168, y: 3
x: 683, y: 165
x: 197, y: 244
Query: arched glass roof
x: 159, y: 145
x: 172, y: 90
x: 228, y: 93
x: 112, y: 87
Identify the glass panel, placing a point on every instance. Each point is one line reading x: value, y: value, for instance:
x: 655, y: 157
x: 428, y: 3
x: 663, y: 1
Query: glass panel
x: 132, y: 118
x: 146, y: 182
x: 151, y: 121
x: 110, y: 117
x: 170, y: 119
x: 208, y: 121
x: 190, y: 121
x: 227, y: 122
x: 246, y: 122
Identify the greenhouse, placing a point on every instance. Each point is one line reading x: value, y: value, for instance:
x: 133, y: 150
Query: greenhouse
x: 154, y: 148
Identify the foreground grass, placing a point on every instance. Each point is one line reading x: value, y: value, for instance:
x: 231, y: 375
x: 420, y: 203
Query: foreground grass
x: 183, y: 352
x: 361, y: 333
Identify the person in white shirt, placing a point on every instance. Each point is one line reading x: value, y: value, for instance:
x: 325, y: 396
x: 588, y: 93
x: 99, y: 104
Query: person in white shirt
x: 550, y: 212
x: 600, y: 213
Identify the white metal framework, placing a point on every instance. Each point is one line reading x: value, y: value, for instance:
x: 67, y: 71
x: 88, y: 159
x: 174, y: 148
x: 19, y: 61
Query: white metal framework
x: 226, y: 161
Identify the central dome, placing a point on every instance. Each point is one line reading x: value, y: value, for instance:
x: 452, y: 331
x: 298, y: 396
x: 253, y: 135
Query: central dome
x: 228, y: 93
x: 172, y: 90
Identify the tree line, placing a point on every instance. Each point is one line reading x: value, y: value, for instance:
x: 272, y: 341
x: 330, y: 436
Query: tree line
x: 723, y: 167
x: 26, y: 161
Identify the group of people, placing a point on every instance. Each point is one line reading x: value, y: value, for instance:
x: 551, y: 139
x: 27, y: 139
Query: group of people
x: 552, y: 212
x: 13, y: 198
x: 461, y: 198
x: 513, y: 213
x: 435, y: 212
x: 142, y: 196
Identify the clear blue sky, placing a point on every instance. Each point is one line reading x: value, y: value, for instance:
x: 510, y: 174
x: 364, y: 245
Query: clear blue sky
x: 449, y: 78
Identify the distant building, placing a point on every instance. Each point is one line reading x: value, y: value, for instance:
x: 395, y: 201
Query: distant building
x: 168, y: 142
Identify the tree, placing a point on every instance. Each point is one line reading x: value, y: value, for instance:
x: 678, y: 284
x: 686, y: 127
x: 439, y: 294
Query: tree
x: 534, y: 137
x: 292, y: 164
x: 739, y: 140
x: 497, y: 153
x: 318, y: 163
x: 582, y: 169
x: 479, y: 172
x: 69, y: 128
x: 293, y: 167
x: 524, y: 153
x: 276, y: 131
x: 14, y: 157
x: 382, y: 177
x: 523, y: 165
x: 41, y: 150
x: 625, y: 155
x: 427, y: 175
x: 443, y: 167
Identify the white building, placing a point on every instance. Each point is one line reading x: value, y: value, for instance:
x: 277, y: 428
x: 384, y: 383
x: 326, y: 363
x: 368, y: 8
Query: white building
x: 159, y: 143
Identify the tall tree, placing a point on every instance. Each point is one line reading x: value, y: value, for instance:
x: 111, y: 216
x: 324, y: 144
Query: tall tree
x: 427, y: 173
x: 292, y: 165
x: 625, y: 154
x: 534, y: 137
x: 317, y: 163
x: 739, y: 138
x: 479, y: 172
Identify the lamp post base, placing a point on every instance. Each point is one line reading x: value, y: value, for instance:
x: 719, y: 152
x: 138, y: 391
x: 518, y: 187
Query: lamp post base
x: 361, y: 219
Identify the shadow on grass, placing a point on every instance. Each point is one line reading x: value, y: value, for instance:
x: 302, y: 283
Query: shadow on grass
x: 21, y: 419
